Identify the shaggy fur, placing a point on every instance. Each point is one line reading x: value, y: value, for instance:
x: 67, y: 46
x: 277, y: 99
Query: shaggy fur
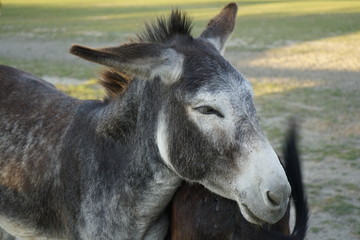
x: 72, y: 169
x: 163, y: 30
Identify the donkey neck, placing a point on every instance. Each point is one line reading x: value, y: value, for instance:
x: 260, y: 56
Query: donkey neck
x: 118, y: 120
x: 137, y: 186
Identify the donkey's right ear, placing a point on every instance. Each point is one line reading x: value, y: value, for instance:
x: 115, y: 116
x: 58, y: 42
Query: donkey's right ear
x: 142, y: 60
x: 220, y: 27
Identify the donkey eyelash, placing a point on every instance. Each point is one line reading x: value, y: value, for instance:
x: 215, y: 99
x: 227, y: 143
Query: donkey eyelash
x: 207, y: 110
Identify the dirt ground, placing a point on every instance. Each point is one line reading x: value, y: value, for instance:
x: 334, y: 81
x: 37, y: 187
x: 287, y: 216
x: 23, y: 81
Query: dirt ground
x: 332, y: 180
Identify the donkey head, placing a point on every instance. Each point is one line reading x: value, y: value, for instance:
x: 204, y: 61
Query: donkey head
x: 207, y: 130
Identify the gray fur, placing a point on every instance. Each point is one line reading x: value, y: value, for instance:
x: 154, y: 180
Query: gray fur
x: 72, y: 169
x: 62, y: 177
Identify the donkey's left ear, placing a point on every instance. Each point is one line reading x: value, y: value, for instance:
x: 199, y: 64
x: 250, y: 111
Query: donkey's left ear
x: 220, y: 27
x: 142, y: 60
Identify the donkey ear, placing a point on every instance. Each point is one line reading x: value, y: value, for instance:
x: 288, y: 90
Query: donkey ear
x: 220, y: 27
x: 142, y: 60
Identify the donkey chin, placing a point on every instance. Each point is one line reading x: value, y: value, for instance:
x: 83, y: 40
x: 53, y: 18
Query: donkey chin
x: 263, y: 190
x: 260, y: 210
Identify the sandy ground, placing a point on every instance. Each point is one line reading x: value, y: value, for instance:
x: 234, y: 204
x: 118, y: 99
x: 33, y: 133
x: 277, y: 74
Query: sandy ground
x: 327, y: 177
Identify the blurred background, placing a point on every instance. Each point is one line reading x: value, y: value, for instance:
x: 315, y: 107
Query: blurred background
x: 302, y: 58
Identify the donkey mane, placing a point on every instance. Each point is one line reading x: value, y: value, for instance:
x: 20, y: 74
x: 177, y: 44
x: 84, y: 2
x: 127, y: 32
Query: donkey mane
x: 163, y: 29
x: 114, y: 82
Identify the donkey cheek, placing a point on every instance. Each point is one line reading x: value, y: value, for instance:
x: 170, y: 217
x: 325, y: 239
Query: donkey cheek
x: 189, y: 166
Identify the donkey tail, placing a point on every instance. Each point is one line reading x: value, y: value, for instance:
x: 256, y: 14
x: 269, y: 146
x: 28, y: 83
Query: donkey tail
x: 293, y: 171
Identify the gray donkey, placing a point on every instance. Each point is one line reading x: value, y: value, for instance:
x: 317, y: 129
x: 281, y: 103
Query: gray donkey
x: 72, y: 169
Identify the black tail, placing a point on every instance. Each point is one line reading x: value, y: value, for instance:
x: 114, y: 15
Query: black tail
x: 293, y: 171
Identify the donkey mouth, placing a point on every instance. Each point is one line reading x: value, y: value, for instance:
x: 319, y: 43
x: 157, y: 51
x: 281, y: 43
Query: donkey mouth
x: 250, y: 216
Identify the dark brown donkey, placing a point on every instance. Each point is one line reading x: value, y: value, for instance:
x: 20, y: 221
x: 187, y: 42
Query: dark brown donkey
x: 198, y: 214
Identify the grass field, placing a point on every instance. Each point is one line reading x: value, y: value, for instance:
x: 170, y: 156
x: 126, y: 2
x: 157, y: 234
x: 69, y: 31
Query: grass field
x: 262, y: 25
x: 302, y: 58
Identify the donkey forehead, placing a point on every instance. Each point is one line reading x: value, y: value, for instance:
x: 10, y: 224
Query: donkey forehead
x: 205, y: 68
x: 218, y: 85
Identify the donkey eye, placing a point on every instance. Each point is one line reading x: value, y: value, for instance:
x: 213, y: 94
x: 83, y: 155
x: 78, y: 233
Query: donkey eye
x: 208, y: 111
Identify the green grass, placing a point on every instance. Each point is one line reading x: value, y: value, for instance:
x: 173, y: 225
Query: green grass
x: 340, y: 206
x: 332, y: 109
x: 39, y: 67
x: 316, y: 229
x: 346, y: 151
x: 261, y: 23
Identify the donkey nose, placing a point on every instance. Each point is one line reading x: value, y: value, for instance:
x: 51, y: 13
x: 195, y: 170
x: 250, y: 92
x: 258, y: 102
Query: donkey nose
x: 273, y: 199
x: 276, y: 196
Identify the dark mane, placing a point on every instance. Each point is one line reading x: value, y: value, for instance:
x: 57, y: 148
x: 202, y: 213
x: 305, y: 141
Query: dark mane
x: 114, y: 82
x: 164, y: 29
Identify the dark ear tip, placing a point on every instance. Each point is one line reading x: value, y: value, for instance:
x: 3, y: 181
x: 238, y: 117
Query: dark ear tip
x: 232, y: 7
x: 76, y: 49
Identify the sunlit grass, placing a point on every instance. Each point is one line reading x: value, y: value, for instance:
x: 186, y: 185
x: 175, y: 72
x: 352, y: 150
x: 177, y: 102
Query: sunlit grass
x: 260, y: 22
x: 265, y: 86
x: 333, y: 53
x: 122, y: 3
x: 86, y: 91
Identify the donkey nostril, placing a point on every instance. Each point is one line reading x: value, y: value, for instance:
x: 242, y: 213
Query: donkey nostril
x: 274, y: 198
